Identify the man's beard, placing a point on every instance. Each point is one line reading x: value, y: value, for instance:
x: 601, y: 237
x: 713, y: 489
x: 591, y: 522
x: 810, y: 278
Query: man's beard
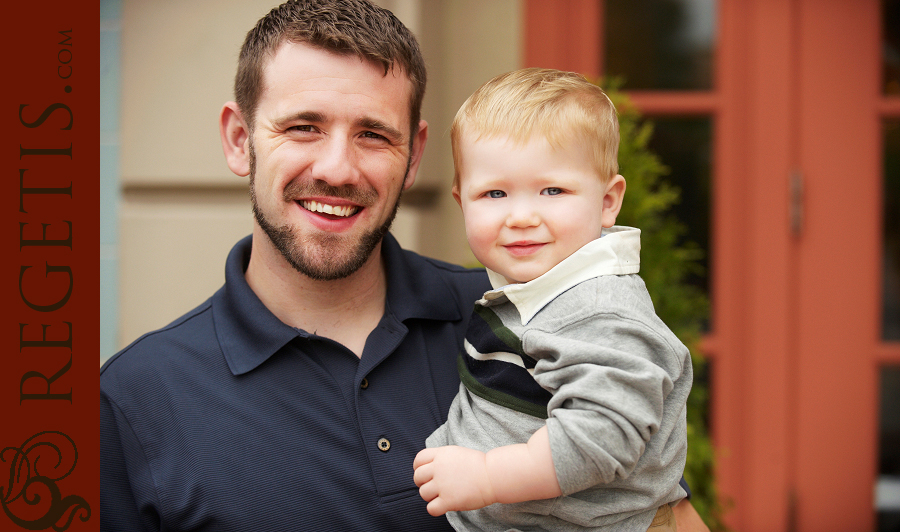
x: 325, y: 257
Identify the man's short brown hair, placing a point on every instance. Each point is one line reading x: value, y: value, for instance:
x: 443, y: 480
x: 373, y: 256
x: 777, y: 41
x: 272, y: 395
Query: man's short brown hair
x: 345, y: 27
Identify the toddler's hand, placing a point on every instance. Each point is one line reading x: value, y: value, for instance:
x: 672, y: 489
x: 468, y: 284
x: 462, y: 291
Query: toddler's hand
x: 453, y: 478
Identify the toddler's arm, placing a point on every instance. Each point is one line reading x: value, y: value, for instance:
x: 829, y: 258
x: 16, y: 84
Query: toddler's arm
x: 454, y: 478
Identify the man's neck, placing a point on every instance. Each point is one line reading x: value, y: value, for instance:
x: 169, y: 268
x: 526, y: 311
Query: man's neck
x: 344, y: 310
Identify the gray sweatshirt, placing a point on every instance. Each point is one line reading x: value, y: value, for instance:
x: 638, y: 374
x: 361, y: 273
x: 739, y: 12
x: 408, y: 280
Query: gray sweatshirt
x: 581, y: 350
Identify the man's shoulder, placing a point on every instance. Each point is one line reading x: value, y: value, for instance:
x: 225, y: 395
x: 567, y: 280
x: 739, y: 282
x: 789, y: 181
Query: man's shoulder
x: 455, y: 271
x: 470, y: 283
x: 155, y: 349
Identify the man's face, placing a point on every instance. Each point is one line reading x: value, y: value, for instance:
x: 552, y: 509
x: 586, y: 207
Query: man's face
x: 329, y: 156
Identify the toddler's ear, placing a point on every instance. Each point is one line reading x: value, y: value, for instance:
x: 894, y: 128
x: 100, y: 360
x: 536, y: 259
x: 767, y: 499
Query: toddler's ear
x: 612, y: 200
x: 455, y: 192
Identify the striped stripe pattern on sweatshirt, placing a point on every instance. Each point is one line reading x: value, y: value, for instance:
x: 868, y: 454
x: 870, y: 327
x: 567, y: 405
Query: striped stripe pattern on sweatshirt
x: 495, y: 368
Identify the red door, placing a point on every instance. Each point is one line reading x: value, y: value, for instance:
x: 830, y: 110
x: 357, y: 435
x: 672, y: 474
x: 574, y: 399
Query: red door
x: 798, y: 107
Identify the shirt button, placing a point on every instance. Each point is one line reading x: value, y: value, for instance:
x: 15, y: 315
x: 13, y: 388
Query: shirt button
x: 384, y: 445
x: 364, y: 384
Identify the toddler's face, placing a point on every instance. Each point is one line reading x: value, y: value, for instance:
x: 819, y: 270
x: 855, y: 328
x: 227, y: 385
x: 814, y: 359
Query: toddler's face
x: 529, y: 206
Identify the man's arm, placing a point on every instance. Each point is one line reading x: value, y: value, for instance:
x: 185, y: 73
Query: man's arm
x: 454, y: 478
x: 687, y: 518
x: 118, y: 509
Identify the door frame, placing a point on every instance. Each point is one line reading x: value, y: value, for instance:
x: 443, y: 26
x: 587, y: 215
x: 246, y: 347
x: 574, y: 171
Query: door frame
x: 795, y: 346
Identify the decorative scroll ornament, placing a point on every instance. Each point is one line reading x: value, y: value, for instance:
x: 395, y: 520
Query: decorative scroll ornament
x: 32, y: 499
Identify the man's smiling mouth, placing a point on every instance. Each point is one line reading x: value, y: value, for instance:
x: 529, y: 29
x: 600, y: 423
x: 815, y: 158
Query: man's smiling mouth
x: 334, y: 210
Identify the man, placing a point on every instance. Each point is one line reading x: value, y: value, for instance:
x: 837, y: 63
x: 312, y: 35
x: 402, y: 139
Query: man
x: 297, y: 396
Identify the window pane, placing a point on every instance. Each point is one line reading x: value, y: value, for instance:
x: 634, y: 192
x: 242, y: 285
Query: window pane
x: 891, y: 252
x: 685, y: 146
x: 660, y: 44
x: 887, y: 491
x: 891, y: 46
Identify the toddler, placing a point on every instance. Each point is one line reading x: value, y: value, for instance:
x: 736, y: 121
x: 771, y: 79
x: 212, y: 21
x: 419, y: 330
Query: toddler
x: 571, y: 409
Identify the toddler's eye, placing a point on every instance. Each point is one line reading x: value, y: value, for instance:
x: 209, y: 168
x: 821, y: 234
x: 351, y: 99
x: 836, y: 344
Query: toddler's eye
x: 496, y: 194
x: 552, y: 191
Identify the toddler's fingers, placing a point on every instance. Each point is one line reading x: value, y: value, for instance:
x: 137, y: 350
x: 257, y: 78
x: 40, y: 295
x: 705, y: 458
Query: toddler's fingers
x: 436, y: 507
x: 423, y: 474
x: 423, y: 457
x: 428, y: 491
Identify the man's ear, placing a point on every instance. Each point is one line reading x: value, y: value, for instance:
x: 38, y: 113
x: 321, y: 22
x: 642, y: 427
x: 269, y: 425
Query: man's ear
x: 612, y: 200
x: 418, y: 149
x: 235, y: 139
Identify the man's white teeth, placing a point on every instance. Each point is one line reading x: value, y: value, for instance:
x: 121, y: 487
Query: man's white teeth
x: 315, y: 206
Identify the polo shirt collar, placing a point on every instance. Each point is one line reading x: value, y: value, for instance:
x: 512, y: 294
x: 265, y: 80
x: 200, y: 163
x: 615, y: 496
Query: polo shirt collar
x: 616, y: 252
x: 249, y: 333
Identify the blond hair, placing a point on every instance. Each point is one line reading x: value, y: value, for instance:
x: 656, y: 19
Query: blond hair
x: 559, y: 106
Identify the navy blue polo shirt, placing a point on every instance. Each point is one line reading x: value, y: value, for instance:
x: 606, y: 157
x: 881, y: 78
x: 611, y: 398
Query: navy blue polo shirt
x: 230, y: 420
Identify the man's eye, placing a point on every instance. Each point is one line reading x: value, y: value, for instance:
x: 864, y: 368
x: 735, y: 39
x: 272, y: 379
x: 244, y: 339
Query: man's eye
x: 372, y: 135
x: 303, y: 127
x: 496, y: 194
x: 552, y: 191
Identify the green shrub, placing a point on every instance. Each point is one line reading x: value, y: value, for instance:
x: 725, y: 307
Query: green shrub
x: 667, y: 261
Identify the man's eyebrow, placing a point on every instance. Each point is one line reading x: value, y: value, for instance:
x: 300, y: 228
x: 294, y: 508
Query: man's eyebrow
x: 392, y: 133
x: 314, y: 117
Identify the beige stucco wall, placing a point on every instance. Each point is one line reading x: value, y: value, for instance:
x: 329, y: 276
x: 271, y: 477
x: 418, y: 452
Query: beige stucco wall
x: 181, y: 209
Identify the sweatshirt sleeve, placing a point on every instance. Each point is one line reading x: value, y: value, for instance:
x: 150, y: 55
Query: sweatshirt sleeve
x: 609, y: 374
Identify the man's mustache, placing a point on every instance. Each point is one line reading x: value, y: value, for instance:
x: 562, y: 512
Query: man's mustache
x: 298, y: 189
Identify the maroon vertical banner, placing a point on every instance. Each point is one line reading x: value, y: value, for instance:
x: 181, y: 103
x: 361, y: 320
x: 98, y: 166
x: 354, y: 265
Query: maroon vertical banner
x: 49, y: 266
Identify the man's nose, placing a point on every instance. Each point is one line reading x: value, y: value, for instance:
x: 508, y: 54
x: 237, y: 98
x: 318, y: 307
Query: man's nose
x: 336, y: 162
